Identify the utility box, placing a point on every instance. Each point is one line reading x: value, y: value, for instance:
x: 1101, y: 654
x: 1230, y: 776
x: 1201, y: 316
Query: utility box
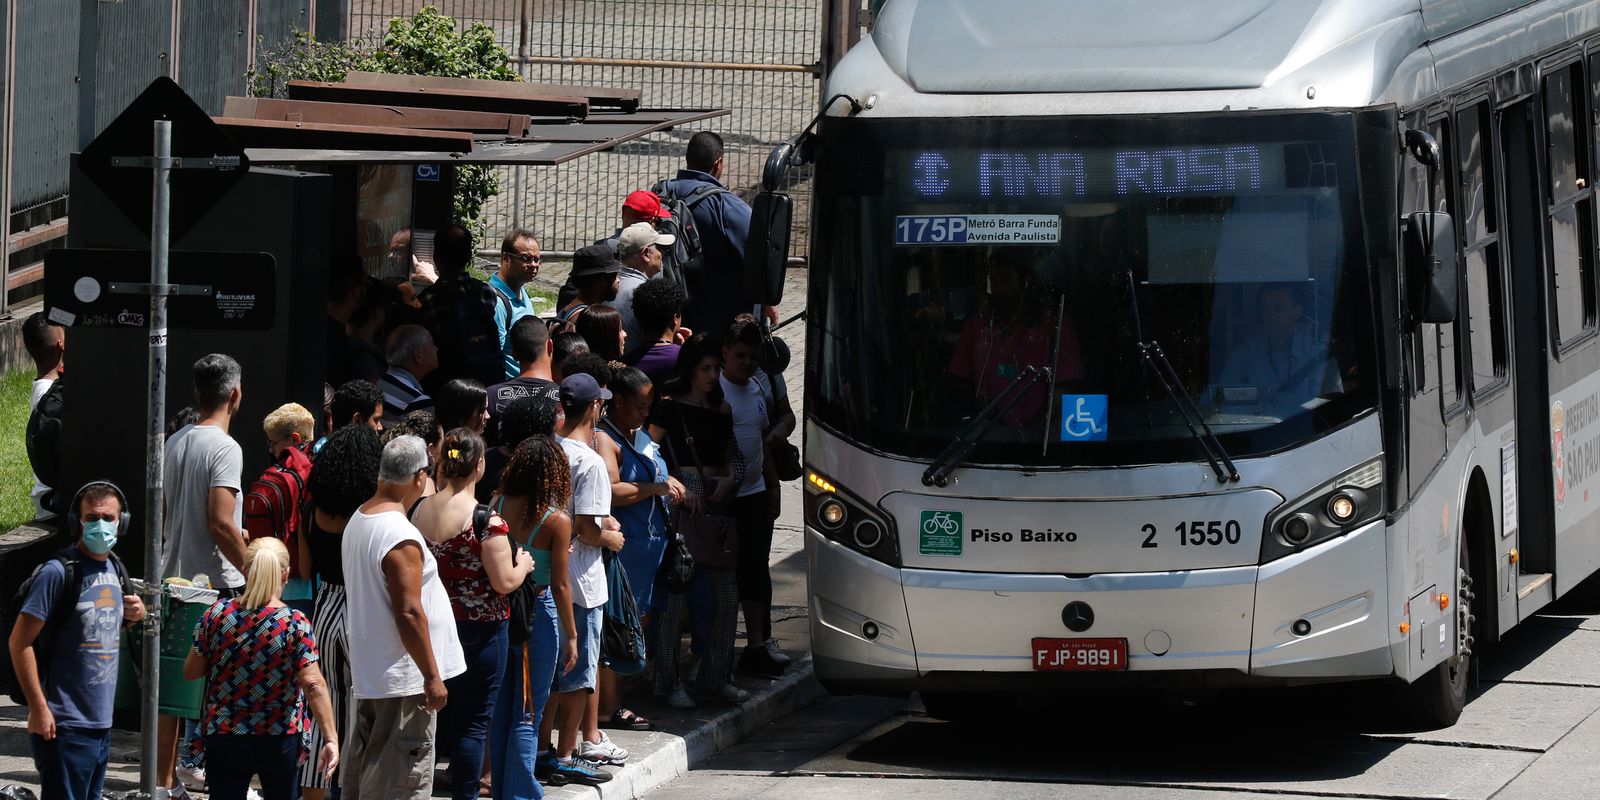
x: 271, y: 217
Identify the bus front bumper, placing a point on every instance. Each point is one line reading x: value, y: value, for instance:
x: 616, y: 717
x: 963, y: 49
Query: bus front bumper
x: 882, y: 630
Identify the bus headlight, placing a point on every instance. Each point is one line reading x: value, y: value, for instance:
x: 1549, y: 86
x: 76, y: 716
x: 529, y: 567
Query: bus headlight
x: 1332, y: 510
x: 849, y: 520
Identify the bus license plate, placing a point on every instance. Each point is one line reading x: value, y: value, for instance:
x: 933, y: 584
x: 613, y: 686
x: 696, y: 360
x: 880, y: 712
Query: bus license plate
x: 1080, y: 654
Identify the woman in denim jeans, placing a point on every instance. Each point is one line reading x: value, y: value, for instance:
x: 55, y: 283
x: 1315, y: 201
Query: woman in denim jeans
x: 534, y: 491
x: 479, y: 567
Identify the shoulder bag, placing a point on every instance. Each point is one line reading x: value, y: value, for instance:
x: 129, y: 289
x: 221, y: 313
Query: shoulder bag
x: 712, y: 539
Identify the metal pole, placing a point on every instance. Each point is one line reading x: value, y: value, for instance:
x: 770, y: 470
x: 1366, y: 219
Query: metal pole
x: 88, y: 69
x: 155, y: 440
x: 5, y: 179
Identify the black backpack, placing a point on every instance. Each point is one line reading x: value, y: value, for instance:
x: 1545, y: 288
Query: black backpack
x: 60, y: 613
x: 43, y: 440
x: 468, y: 341
x: 687, y: 255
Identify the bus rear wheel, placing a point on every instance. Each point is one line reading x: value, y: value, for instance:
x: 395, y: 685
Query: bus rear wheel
x: 1437, y: 699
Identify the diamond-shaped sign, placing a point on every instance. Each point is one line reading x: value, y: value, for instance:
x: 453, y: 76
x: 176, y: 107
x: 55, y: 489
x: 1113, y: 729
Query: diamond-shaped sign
x: 195, y: 136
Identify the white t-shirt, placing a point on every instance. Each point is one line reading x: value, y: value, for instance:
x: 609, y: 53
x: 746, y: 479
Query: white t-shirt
x: 750, y: 403
x: 591, y: 497
x: 380, y: 667
x: 40, y: 386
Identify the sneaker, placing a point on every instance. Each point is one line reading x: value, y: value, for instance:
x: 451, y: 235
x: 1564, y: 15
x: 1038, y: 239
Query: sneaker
x: 192, y: 777
x: 757, y: 661
x: 579, y: 771
x: 678, y: 697
x: 602, y: 752
x: 732, y: 694
x: 544, y: 769
x: 252, y: 794
x: 776, y: 653
x: 174, y: 793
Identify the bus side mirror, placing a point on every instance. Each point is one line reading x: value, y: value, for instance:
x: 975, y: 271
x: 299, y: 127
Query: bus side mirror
x: 766, y: 251
x: 1432, y: 269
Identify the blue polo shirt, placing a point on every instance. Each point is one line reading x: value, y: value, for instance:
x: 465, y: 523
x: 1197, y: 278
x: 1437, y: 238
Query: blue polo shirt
x: 520, y: 307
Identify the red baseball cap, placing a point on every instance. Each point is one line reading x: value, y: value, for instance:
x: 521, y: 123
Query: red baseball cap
x: 645, y: 203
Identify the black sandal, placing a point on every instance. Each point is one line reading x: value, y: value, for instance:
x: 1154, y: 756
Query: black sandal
x: 625, y: 720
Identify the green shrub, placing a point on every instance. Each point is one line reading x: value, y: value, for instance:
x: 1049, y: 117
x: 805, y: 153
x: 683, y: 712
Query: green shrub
x: 427, y: 43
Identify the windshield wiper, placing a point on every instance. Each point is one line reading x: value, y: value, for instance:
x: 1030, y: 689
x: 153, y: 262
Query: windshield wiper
x: 938, y: 473
x: 1155, y: 360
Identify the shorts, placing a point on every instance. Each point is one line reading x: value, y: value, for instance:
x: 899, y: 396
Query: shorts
x: 582, y: 676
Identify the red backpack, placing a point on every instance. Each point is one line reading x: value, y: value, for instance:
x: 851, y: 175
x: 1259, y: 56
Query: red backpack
x: 273, y: 505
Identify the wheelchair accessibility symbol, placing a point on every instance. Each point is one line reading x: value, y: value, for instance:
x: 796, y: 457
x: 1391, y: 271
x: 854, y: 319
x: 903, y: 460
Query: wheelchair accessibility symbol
x: 1083, y: 417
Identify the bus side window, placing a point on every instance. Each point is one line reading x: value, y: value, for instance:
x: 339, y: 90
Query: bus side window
x: 1570, y: 213
x: 1480, y: 233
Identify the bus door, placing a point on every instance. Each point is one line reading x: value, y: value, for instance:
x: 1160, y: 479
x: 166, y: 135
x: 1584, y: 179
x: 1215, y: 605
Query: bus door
x: 1524, y: 207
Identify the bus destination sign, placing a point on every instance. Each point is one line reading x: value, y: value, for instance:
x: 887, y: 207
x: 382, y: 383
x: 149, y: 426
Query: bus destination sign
x: 977, y: 229
x: 1107, y: 173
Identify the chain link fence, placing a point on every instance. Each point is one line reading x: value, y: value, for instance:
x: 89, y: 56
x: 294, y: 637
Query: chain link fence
x: 758, y: 58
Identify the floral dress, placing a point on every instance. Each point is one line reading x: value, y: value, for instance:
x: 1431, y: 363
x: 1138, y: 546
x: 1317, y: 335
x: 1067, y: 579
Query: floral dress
x: 461, y: 569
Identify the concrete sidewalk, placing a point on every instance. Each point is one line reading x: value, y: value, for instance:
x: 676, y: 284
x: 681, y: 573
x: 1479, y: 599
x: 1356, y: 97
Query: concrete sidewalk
x: 682, y: 739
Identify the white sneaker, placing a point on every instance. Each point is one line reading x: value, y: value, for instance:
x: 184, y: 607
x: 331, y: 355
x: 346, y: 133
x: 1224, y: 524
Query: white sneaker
x: 776, y: 653
x: 603, y: 751
x: 732, y: 693
x: 679, y: 697
x: 252, y: 794
x: 174, y: 793
x: 192, y: 777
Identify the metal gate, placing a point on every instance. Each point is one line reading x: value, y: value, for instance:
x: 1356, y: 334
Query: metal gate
x: 762, y: 59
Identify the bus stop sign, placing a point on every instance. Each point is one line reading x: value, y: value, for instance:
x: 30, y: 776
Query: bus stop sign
x: 110, y: 289
x: 118, y: 160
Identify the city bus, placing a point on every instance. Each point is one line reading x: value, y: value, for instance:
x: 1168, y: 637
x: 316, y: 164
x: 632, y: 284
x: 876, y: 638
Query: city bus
x: 1197, y: 345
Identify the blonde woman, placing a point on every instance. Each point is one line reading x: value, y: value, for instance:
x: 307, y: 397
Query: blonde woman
x: 260, y: 664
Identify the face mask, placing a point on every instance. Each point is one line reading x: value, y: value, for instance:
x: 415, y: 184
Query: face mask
x: 99, y: 536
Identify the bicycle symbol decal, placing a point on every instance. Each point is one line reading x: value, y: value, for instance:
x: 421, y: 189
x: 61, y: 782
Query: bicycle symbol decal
x: 1083, y: 417
x: 942, y: 533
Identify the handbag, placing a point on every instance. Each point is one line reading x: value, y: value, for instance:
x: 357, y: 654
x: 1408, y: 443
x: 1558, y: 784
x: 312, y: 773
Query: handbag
x: 677, y: 563
x: 711, y: 539
x: 526, y: 596
x: 785, y: 456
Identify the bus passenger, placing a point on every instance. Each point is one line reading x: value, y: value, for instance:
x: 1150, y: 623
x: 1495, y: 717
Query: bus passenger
x: 1013, y: 333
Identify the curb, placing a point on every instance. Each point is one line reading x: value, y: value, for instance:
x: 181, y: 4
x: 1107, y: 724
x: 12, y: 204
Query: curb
x: 660, y: 756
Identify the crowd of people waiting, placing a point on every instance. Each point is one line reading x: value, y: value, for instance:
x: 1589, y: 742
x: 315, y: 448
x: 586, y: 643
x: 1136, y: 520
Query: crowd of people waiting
x: 425, y: 574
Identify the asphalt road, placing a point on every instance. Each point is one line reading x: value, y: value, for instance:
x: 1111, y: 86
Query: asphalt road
x: 1530, y: 730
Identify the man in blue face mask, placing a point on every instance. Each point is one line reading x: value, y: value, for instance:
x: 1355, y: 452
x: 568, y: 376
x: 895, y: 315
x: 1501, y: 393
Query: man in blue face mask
x: 64, y: 648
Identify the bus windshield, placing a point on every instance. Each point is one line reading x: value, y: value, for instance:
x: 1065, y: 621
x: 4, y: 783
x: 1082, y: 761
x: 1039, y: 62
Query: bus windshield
x: 952, y: 255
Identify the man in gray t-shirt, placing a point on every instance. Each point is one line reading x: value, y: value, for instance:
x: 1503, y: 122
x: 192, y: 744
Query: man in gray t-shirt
x: 203, y: 467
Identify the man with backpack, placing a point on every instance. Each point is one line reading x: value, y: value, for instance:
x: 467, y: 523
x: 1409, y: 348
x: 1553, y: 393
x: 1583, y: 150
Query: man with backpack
x: 459, y: 310
x: 273, y: 505
x: 64, y: 642
x: 713, y: 225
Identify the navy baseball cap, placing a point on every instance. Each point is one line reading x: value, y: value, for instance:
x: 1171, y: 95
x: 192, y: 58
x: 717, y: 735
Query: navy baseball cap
x: 582, y: 389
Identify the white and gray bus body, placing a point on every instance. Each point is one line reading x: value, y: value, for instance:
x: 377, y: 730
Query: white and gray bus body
x: 1073, y: 184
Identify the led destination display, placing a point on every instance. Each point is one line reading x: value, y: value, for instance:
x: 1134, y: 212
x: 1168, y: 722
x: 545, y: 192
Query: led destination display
x: 1107, y: 173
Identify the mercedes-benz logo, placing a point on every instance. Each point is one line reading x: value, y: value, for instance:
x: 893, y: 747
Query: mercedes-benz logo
x: 1077, y: 616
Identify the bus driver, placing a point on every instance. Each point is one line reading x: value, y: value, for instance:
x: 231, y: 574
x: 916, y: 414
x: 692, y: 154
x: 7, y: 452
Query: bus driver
x: 1284, y: 367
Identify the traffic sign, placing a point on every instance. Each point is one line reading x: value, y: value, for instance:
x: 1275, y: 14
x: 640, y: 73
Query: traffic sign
x: 118, y: 160
x: 111, y: 289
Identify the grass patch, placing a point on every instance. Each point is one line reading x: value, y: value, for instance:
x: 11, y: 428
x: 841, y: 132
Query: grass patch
x: 16, y: 477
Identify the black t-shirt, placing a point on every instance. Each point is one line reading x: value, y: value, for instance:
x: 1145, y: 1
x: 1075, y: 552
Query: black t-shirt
x: 502, y: 394
x: 327, y: 561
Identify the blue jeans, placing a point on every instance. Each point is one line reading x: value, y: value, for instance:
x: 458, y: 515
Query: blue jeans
x: 514, y: 729
x: 465, y: 721
x: 72, y: 766
x: 236, y: 757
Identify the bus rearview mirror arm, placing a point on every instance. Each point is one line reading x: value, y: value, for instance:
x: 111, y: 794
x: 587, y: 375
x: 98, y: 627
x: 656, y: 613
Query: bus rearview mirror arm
x: 1432, y: 264
x: 766, y: 250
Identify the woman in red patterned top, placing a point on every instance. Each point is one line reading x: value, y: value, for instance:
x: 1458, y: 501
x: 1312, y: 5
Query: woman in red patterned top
x: 260, y: 664
x: 479, y: 567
